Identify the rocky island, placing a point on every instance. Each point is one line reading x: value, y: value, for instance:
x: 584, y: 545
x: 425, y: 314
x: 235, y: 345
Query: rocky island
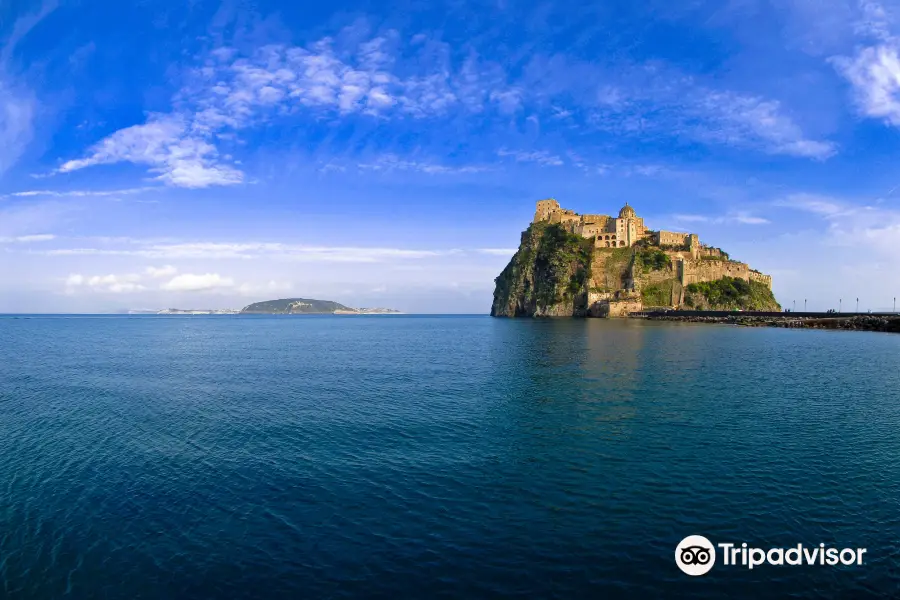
x: 308, y: 306
x: 577, y: 265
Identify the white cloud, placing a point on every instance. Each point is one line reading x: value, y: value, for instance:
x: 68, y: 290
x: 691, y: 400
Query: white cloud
x: 251, y: 250
x: 26, y: 239
x: 18, y: 105
x: 188, y: 282
x: 168, y: 147
x: 392, y: 162
x: 745, y: 121
x: 79, y: 193
x: 874, y: 70
x: 498, y: 251
x: 229, y: 91
x: 820, y: 205
x: 115, y: 284
x: 540, y: 157
x: 874, y: 73
x: 851, y: 224
x: 742, y: 218
x: 158, y: 272
x: 17, y: 110
x: 654, y: 100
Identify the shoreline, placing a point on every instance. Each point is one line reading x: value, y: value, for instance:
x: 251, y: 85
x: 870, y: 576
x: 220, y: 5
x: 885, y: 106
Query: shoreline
x: 888, y: 324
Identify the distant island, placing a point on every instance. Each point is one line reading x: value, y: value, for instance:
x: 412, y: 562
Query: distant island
x: 285, y: 306
x: 573, y: 265
x: 308, y: 306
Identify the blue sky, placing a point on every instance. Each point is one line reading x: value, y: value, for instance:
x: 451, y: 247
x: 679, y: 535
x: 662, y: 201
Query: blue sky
x: 210, y: 154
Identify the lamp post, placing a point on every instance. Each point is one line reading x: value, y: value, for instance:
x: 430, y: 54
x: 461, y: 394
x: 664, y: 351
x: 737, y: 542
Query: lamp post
x: 804, y: 305
x: 840, y: 301
x: 857, y: 305
x: 895, y: 304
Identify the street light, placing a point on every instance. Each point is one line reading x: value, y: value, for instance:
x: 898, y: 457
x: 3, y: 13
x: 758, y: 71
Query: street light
x: 804, y: 305
x: 840, y: 301
x: 857, y: 305
x: 795, y: 307
x: 895, y: 304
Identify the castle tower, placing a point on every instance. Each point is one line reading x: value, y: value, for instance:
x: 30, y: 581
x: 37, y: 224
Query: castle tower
x: 545, y: 209
x: 629, y: 227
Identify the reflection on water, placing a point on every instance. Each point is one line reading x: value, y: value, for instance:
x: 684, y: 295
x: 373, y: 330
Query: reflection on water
x: 468, y: 456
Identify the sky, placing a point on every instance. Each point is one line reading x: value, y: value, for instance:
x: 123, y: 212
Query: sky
x: 207, y: 154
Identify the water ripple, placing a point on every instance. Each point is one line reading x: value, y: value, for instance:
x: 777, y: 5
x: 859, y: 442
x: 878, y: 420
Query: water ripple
x: 153, y: 457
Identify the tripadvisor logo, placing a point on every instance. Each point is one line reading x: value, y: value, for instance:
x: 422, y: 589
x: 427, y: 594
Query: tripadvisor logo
x: 695, y: 555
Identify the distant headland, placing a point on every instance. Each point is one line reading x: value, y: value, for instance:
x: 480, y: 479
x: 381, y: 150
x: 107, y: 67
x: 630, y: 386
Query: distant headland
x: 596, y: 265
x: 285, y: 306
x: 308, y: 306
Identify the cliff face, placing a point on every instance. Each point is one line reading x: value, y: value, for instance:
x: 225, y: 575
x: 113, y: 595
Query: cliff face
x: 546, y: 277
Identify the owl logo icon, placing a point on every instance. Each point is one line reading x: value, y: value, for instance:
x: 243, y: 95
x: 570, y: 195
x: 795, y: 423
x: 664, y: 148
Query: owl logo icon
x: 695, y: 555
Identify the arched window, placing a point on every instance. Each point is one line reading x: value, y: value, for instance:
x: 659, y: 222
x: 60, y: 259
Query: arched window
x: 622, y: 243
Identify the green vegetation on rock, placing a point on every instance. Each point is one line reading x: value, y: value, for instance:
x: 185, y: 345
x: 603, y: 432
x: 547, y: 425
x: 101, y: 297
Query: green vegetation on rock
x: 651, y: 259
x: 546, y: 276
x: 730, y: 293
x: 660, y: 293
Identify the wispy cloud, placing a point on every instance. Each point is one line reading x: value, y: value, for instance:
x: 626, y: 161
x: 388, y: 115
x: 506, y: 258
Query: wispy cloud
x: 392, y: 162
x: 230, y: 92
x: 384, y: 79
x: 742, y: 218
x: 22, y: 27
x: 18, y: 104
x: 79, y: 193
x: 226, y: 250
x: 655, y: 100
x: 851, y: 224
x: 167, y: 144
x: 17, y: 110
x: 115, y: 284
x: 197, y: 283
x: 498, y: 251
x: 150, y: 281
x: 540, y: 157
x: 25, y: 239
x: 874, y: 70
x: 157, y: 272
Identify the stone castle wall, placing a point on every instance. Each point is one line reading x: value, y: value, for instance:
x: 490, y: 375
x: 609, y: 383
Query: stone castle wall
x: 671, y: 238
x: 761, y: 278
x: 696, y: 271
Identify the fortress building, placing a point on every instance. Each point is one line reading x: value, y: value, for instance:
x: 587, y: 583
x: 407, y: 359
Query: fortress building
x: 692, y: 262
x: 612, y: 232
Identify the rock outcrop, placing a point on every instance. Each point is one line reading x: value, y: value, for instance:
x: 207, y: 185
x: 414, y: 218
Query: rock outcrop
x: 546, y: 277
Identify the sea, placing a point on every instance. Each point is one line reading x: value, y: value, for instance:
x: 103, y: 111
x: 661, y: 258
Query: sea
x: 439, y: 457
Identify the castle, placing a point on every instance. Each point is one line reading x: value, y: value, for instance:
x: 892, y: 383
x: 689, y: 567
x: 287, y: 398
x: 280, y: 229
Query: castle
x: 609, y: 232
x: 691, y: 261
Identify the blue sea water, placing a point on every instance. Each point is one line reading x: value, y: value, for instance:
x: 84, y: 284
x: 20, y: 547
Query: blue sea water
x: 438, y: 457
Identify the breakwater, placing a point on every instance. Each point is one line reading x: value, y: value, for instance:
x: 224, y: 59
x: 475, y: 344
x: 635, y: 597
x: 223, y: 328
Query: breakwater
x: 887, y: 322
